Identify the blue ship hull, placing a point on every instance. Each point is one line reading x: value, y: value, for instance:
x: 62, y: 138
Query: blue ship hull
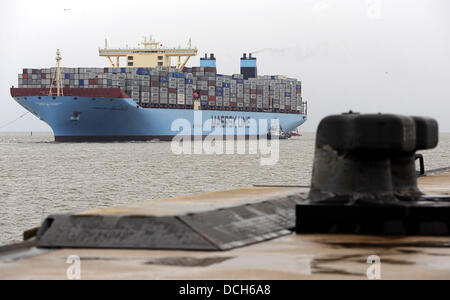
x: 82, y: 119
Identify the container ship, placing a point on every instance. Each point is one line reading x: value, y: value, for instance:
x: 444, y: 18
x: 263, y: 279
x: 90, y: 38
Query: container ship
x: 143, y: 100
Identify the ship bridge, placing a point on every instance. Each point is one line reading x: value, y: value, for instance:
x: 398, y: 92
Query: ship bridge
x: 149, y: 54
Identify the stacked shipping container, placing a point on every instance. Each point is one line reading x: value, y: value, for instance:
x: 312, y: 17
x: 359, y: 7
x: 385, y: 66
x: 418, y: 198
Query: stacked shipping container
x: 167, y: 87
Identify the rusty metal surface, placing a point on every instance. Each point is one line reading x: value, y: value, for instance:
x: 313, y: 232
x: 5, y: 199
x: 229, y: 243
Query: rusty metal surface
x: 438, y: 183
x: 201, y: 202
x: 290, y: 257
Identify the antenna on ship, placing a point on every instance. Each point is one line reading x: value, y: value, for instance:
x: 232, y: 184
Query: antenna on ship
x: 57, y: 77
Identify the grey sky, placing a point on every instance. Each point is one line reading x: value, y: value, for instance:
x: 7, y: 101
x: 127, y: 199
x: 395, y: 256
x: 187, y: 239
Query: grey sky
x: 369, y: 56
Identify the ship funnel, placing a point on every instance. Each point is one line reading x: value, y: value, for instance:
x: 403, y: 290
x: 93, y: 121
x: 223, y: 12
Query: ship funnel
x: 248, y: 67
x: 208, y: 62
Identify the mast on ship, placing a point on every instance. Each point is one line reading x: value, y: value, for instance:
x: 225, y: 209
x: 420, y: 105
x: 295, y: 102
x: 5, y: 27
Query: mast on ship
x: 151, y: 54
x: 57, y: 77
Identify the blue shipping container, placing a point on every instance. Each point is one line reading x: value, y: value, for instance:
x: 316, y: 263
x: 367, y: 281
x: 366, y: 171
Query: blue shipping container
x: 144, y: 72
x: 204, y: 102
x: 189, y: 81
x: 67, y: 76
x: 81, y: 82
x: 163, y: 79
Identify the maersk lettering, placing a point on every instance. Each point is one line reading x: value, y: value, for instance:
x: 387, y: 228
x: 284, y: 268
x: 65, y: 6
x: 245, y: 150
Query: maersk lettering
x: 230, y: 122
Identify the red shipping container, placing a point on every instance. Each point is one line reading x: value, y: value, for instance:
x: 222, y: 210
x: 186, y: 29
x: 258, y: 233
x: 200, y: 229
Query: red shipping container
x: 154, y: 84
x: 34, y: 71
x: 95, y: 93
x: 93, y: 81
x: 212, y: 98
x: 173, y: 91
x: 44, y: 76
x: 105, y: 70
x: 253, y: 92
x: 25, y: 71
x: 211, y: 83
x: 25, y: 76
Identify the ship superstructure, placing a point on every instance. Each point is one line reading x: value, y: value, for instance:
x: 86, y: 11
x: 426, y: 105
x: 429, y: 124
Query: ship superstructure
x: 151, y: 54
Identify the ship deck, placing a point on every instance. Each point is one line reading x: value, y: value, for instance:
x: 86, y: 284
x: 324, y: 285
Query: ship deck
x: 289, y: 257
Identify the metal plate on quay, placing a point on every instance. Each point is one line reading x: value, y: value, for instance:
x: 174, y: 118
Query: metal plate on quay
x: 245, y: 225
x: 216, y: 230
x: 119, y: 232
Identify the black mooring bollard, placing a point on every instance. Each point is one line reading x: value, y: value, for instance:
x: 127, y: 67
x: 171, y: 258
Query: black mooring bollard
x: 353, y: 153
x: 403, y: 164
x: 364, y: 178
